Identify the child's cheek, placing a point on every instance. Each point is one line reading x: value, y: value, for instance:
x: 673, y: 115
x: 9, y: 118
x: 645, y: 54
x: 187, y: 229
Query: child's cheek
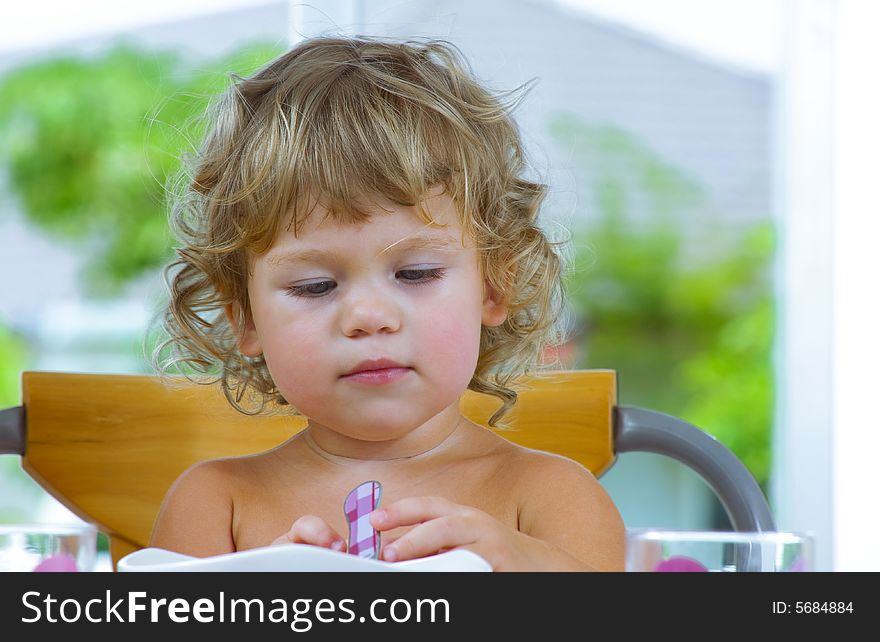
x: 300, y: 367
x: 452, y: 346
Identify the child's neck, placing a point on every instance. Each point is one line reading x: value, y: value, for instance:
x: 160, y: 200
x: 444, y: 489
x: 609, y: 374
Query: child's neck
x: 382, y: 452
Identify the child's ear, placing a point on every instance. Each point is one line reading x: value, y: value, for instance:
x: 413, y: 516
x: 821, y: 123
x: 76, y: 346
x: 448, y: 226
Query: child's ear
x: 494, y: 307
x: 249, y: 342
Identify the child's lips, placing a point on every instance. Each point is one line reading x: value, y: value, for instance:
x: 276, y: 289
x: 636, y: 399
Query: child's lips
x: 379, y: 376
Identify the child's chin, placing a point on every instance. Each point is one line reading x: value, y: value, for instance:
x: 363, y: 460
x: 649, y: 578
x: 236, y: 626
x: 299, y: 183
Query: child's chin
x: 385, y: 426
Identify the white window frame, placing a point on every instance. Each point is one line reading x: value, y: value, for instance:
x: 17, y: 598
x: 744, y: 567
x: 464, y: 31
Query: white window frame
x: 828, y: 351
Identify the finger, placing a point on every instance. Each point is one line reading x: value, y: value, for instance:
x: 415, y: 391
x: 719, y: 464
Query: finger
x: 414, y: 510
x: 311, y: 529
x: 440, y: 534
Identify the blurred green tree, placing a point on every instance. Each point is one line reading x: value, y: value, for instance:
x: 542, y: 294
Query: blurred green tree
x: 89, y: 143
x: 13, y: 356
x: 681, y: 307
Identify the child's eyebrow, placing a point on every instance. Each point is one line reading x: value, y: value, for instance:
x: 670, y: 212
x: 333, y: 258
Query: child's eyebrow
x: 314, y: 255
x: 423, y: 242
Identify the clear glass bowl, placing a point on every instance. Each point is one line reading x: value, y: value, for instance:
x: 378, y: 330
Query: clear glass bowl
x: 658, y: 550
x: 48, y: 547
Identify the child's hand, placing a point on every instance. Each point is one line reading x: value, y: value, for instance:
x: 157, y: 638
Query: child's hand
x: 310, y: 529
x: 443, y: 525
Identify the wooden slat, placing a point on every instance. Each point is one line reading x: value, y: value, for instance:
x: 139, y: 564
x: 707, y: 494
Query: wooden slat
x: 569, y: 413
x: 109, y: 446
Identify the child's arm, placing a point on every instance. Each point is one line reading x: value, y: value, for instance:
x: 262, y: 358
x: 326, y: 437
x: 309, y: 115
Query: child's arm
x: 567, y: 522
x: 570, y: 510
x: 196, y: 515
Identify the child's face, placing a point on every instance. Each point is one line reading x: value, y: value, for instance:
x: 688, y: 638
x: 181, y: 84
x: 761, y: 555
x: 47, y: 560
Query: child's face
x: 334, y: 296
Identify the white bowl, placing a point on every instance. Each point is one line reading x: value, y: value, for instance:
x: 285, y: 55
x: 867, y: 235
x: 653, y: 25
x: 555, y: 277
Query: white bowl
x: 295, y: 557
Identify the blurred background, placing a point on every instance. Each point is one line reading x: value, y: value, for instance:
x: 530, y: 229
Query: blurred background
x: 692, y: 150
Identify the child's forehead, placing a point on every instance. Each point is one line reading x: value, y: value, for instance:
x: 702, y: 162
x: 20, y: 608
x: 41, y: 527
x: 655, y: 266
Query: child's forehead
x: 346, y: 246
x: 435, y: 216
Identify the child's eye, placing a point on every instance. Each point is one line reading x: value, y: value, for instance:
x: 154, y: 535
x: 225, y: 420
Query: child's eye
x: 318, y: 288
x: 420, y: 275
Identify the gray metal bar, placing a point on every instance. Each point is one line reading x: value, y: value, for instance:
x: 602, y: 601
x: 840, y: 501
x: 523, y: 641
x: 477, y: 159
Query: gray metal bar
x: 640, y: 430
x: 12, y: 431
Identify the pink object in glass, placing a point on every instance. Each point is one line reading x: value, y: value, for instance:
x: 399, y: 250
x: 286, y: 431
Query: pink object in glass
x: 680, y: 564
x: 59, y: 563
x: 363, y: 539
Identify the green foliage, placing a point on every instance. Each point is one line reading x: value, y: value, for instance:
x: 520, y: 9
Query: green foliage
x: 13, y: 355
x: 90, y: 143
x: 681, y: 308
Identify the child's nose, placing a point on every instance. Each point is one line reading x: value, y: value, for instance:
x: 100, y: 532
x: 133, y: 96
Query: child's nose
x: 369, y: 312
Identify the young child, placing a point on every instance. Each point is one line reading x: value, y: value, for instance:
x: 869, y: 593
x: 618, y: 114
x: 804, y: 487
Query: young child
x: 358, y: 245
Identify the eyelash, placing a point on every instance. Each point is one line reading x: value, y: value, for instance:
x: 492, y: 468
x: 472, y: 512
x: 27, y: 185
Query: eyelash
x: 424, y: 276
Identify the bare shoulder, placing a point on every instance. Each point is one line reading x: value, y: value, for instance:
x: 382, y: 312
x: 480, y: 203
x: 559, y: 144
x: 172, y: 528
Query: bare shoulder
x: 563, y: 503
x: 541, y: 474
x: 195, y: 517
x: 204, y: 479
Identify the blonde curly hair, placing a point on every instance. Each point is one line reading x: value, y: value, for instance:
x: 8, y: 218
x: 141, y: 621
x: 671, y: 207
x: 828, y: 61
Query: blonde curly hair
x: 342, y: 118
